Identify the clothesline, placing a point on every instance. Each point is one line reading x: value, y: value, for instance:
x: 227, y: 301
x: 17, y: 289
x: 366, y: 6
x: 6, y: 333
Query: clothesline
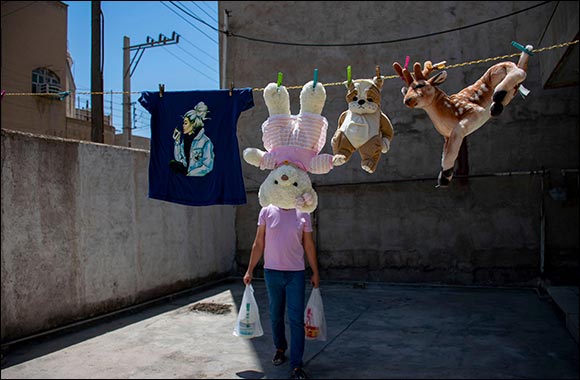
x: 64, y: 93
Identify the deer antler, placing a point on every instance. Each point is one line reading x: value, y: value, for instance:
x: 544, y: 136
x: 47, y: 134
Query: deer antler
x: 429, y: 67
x: 417, y: 71
x: 403, y: 73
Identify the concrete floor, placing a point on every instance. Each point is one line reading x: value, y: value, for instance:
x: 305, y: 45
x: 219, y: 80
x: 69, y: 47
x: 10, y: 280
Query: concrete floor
x: 376, y: 331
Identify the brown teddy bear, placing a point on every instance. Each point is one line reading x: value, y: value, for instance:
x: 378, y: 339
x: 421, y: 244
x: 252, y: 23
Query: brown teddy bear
x: 363, y: 127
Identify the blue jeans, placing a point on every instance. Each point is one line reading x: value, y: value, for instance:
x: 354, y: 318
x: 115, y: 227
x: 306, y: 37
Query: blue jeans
x: 287, y: 287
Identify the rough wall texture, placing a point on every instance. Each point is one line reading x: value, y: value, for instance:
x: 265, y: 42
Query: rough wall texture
x: 81, y: 238
x: 379, y: 227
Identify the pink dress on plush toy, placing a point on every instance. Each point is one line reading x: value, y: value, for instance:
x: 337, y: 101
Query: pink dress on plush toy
x: 297, y: 140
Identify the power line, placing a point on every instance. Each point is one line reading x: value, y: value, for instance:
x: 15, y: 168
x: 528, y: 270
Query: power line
x: 194, y: 57
x: 201, y: 50
x: 189, y: 65
x: 207, y: 6
x: 197, y: 18
x: 228, y: 33
x: 210, y: 16
x: 189, y: 14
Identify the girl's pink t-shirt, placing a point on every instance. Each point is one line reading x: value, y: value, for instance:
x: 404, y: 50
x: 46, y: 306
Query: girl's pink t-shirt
x: 283, y: 248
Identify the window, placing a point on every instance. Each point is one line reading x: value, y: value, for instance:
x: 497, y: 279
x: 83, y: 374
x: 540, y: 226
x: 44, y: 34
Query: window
x: 45, y: 81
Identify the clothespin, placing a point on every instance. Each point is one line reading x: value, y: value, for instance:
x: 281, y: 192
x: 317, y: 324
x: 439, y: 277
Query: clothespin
x: 407, y: 62
x: 348, y: 76
x: 231, y: 87
x: 315, y: 79
x: 279, y: 81
x: 161, y: 90
x: 523, y: 91
x: 407, y: 58
x: 2, y: 95
x: 440, y: 65
x: 522, y: 48
x: 63, y: 94
x: 378, y: 72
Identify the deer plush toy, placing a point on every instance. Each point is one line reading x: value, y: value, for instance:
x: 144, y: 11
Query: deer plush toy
x: 461, y: 114
x: 293, y: 143
x: 363, y: 127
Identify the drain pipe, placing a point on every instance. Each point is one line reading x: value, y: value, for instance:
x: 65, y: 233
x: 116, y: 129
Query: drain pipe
x: 542, y: 226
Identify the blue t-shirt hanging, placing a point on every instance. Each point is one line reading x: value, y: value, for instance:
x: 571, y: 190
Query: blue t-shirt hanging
x: 195, y: 157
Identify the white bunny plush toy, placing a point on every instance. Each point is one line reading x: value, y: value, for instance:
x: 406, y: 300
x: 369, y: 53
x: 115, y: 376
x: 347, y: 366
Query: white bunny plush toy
x: 293, y: 144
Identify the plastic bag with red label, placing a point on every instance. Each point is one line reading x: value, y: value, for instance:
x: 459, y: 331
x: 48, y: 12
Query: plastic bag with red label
x: 314, y: 320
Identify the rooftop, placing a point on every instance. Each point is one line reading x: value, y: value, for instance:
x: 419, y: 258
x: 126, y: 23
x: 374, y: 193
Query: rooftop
x: 375, y: 330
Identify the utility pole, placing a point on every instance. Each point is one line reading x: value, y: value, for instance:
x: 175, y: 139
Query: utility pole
x: 129, y: 69
x: 126, y: 93
x: 97, y: 129
x: 224, y: 45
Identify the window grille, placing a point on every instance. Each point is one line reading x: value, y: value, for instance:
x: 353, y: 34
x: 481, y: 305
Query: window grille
x: 45, y: 81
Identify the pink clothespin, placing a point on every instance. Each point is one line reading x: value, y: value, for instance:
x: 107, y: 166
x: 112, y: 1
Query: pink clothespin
x: 2, y: 96
x: 407, y: 62
x: 405, y: 68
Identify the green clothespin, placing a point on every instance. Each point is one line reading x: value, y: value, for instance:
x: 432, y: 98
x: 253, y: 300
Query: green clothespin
x: 521, y: 47
x: 279, y: 82
x: 348, y: 76
x: 315, y: 79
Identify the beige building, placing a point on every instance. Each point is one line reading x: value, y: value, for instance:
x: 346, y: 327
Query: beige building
x: 35, y: 59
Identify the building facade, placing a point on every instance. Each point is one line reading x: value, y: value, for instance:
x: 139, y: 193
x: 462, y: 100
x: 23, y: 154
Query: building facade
x: 35, y: 60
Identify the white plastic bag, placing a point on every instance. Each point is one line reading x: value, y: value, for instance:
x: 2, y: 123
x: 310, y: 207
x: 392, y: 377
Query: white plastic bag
x: 248, y: 323
x: 314, y: 320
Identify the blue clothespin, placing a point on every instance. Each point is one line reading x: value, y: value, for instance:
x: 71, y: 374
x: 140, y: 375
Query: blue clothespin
x: 63, y: 94
x: 279, y: 82
x: 521, y: 47
x: 315, y: 79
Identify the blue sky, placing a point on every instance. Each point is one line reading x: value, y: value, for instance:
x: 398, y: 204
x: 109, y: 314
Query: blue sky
x: 192, y: 64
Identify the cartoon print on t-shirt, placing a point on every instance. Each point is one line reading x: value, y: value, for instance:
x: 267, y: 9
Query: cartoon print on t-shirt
x: 193, y: 150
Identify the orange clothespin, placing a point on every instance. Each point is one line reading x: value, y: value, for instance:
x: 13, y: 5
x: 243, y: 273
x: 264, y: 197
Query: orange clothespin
x: 161, y: 90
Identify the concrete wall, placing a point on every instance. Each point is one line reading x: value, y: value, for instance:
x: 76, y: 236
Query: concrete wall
x: 393, y: 225
x: 559, y: 67
x: 81, y: 238
x: 79, y: 129
x: 137, y: 142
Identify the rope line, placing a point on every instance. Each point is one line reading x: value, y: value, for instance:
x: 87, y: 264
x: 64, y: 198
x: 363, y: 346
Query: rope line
x: 451, y: 66
x: 557, y: 46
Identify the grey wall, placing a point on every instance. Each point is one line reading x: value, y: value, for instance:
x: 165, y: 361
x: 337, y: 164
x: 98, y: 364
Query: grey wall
x: 393, y: 225
x: 81, y: 238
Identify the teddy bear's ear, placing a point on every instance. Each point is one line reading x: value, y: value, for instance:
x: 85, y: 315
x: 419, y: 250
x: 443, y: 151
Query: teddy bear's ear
x: 349, y: 86
x: 264, y: 194
x: 378, y: 81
